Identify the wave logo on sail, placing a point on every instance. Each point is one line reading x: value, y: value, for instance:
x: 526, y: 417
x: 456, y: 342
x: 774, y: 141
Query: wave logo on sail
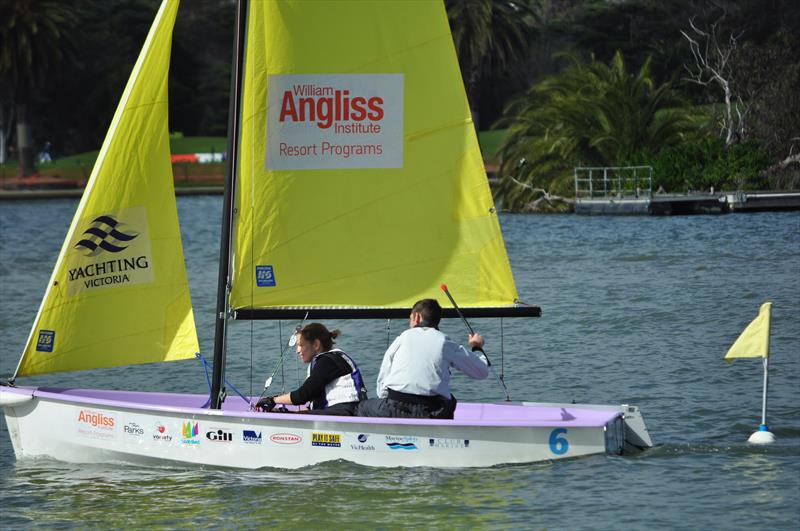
x: 103, y: 235
x: 109, y: 252
x: 334, y: 121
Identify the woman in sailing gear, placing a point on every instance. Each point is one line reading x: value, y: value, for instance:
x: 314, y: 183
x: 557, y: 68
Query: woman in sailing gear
x: 334, y: 385
x: 414, y: 380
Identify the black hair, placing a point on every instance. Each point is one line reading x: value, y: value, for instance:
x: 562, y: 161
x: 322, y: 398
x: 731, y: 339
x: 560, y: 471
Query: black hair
x: 313, y: 331
x: 430, y: 311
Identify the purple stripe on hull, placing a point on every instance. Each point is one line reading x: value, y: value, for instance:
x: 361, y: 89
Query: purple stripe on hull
x: 467, y: 414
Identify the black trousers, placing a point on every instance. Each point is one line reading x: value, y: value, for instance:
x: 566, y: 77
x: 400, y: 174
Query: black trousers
x: 387, y: 407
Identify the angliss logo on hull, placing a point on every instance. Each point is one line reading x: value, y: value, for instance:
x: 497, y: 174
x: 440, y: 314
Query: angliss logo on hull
x: 111, y: 249
x: 96, y: 424
x: 334, y: 121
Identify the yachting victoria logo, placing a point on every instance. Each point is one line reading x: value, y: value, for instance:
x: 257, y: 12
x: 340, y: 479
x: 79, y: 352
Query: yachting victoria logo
x: 110, y: 249
x: 102, y: 235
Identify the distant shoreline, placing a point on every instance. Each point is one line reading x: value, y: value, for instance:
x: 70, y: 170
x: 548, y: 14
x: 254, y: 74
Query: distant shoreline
x: 21, y: 195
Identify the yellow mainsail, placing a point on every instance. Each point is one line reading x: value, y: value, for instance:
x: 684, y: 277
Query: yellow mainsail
x: 361, y: 180
x: 118, y: 294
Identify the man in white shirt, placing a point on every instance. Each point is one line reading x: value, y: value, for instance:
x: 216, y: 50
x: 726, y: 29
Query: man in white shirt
x: 414, y: 380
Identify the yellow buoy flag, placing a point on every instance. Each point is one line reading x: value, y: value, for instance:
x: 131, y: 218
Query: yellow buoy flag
x: 754, y: 341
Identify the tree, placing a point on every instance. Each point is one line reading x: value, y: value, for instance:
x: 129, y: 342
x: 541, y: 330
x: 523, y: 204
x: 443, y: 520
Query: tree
x: 590, y: 114
x: 489, y: 36
x: 713, y: 64
x: 32, y: 41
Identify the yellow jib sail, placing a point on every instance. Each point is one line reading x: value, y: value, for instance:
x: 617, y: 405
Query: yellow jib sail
x: 361, y: 180
x: 118, y: 294
x: 754, y: 340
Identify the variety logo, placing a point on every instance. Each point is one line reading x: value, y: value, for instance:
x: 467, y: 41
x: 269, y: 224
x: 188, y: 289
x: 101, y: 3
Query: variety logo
x: 285, y: 438
x: 189, y: 432
x: 448, y: 443
x: 251, y: 437
x: 103, y: 235
x: 96, y: 424
x: 362, y: 439
x: 331, y: 440
x: 160, y: 433
x: 219, y: 435
x: 133, y: 429
x: 401, y: 443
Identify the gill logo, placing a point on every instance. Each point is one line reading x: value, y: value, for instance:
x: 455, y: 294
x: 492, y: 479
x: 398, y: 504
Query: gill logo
x: 104, y: 235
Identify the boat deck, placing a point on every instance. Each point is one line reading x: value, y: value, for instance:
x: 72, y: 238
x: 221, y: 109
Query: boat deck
x: 511, y: 414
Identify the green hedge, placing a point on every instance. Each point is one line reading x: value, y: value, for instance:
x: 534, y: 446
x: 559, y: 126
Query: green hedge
x: 703, y: 163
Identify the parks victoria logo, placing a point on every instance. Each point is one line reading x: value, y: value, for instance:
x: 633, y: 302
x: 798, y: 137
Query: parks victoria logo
x: 110, y: 249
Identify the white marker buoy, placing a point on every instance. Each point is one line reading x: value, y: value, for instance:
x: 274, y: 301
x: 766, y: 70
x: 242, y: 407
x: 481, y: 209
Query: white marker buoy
x: 762, y: 436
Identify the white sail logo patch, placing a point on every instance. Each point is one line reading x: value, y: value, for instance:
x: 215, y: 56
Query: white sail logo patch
x: 332, y: 121
x: 110, y: 249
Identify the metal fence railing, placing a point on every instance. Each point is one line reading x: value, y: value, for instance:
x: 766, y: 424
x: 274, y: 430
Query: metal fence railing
x: 613, y: 182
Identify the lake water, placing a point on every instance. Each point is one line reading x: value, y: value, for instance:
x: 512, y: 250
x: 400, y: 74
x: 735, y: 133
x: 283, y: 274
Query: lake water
x: 635, y: 310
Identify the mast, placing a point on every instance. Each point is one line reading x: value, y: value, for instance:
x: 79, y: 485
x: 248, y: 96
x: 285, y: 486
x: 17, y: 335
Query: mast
x: 223, y: 282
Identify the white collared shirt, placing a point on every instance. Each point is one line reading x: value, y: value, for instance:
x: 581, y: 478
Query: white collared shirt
x: 418, y: 362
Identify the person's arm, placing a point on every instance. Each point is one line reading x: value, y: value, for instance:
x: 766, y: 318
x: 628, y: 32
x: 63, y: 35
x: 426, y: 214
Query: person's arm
x: 473, y: 364
x: 386, y: 367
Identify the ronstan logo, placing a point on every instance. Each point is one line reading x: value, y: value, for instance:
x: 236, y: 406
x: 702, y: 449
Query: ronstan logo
x: 285, y: 438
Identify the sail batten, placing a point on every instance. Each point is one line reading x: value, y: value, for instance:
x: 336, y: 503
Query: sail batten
x: 361, y: 183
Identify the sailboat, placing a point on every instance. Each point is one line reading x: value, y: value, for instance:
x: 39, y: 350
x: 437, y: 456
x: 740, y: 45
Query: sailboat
x: 349, y: 134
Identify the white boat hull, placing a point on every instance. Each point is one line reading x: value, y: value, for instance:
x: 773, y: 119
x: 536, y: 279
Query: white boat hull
x: 78, y: 430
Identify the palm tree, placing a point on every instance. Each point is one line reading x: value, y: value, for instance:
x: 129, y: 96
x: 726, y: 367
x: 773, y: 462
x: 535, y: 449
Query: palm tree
x: 590, y: 114
x: 32, y: 41
x: 489, y: 35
